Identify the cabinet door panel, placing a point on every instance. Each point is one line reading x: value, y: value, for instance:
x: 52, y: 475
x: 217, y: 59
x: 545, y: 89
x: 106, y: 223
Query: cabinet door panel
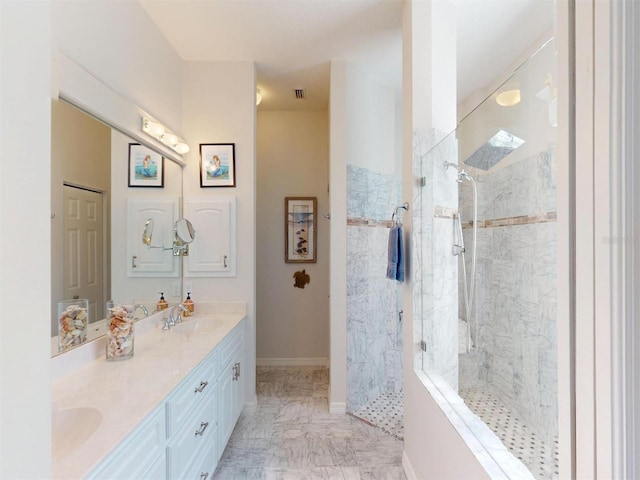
x: 226, y: 422
x: 139, y: 455
x: 212, y: 253
x: 143, y: 261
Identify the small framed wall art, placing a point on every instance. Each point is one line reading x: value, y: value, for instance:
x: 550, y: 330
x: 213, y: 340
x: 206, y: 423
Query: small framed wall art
x: 217, y: 165
x: 300, y: 229
x: 146, y: 167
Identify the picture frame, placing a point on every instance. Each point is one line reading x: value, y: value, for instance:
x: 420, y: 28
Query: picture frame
x: 300, y: 226
x: 146, y: 167
x: 217, y: 165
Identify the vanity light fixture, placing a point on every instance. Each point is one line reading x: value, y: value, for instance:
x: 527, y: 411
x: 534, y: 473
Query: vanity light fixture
x: 164, y: 135
x: 258, y: 96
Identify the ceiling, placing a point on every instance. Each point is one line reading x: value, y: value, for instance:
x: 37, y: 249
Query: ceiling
x: 293, y: 41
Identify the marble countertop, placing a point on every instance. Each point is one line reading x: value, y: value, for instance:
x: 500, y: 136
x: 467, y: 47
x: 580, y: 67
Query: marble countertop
x: 127, y: 391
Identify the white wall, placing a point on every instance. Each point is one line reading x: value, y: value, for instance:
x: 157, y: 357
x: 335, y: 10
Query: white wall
x: 119, y: 44
x: 338, y: 156
x: 26, y: 45
x: 370, y: 109
x: 430, y: 438
x: 219, y: 107
x: 142, y: 290
x: 292, y: 160
x: 25, y: 274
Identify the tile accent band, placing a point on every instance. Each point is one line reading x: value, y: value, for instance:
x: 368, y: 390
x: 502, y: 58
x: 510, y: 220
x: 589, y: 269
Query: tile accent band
x: 369, y: 222
x: 519, y: 220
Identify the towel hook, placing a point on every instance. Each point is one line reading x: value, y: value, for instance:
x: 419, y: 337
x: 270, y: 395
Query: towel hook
x: 394, y: 217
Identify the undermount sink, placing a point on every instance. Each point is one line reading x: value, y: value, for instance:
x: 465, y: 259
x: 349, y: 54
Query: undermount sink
x: 71, y: 428
x: 187, y: 327
x: 194, y: 325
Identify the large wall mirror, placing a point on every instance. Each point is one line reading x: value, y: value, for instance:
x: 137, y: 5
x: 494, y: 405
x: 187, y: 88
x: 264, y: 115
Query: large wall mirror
x: 90, y: 201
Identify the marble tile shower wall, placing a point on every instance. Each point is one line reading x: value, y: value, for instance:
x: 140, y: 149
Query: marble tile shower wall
x: 516, y: 302
x: 434, y: 267
x: 374, y: 333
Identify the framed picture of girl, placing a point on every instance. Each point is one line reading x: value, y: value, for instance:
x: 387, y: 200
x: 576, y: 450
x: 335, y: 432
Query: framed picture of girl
x: 146, y: 167
x: 217, y: 165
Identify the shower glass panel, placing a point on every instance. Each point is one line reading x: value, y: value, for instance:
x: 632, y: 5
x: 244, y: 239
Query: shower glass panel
x: 488, y: 307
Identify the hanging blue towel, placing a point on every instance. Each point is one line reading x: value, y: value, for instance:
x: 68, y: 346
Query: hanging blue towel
x: 395, y: 263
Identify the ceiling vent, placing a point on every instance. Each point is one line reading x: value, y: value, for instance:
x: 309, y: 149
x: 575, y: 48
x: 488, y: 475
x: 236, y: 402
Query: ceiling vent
x: 299, y: 93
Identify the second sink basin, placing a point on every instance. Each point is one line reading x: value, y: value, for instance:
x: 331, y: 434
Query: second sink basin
x: 72, y: 427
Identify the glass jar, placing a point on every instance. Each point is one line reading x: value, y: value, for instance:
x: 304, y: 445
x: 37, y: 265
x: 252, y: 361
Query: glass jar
x: 73, y: 317
x: 119, y: 329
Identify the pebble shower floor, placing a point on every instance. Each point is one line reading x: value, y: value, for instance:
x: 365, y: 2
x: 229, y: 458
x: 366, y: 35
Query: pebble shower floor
x: 385, y: 412
x: 541, y: 459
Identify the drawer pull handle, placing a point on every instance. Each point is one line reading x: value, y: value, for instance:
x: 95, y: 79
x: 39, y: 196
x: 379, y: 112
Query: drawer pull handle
x: 225, y: 262
x: 204, y: 476
x: 203, y: 427
x: 201, y: 387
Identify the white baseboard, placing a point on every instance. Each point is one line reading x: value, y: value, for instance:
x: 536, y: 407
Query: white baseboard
x: 408, y: 468
x: 292, y: 362
x: 338, y: 408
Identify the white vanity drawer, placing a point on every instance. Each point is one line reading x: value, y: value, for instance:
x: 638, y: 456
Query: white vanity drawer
x: 140, y: 455
x: 205, y: 469
x: 195, y: 439
x: 197, y: 387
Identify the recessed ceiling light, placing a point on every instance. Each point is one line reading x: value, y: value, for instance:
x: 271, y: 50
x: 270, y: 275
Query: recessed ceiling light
x: 508, y: 98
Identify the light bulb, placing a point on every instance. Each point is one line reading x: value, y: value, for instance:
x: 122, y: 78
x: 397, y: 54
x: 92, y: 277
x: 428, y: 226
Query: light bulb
x: 170, y: 139
x: 181, y: 148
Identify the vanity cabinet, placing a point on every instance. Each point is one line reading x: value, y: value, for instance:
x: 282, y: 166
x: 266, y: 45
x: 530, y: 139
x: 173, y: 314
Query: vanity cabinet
x: 186, y: 435
x: 231, y: 393
x: 213, y: 252
x: 141, y: 455
x: 192, y: 422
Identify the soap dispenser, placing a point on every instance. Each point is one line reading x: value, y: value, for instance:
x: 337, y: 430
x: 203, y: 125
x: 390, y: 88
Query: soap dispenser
x: 189, y: 305
x: 162, y: 303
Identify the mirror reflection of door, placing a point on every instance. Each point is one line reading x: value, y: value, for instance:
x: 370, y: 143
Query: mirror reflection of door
x: 83, y: 226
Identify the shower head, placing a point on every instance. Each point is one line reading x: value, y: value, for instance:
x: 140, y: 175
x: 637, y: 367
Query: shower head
x: 496, y: 148
x: 462, y: 173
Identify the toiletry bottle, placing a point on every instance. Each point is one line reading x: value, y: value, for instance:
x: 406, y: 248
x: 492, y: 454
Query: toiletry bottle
x: 188, y: 303
x: 162, y: 303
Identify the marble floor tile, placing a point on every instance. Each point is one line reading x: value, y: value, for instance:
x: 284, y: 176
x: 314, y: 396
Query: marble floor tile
x: 384, y: 472
x: 314, y: 473
x: 290, y: 435
x: 224, y: 472
x: 331, y: 452
x: 260, y: 426
x: 245, y: 452
x: 378, y: 451
x: 270, y: 388
x: 288, y: 452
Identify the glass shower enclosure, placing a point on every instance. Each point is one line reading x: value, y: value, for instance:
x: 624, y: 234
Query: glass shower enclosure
x: 485, y: 231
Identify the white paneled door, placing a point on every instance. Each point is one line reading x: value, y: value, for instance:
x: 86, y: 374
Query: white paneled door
x: 84, y: 248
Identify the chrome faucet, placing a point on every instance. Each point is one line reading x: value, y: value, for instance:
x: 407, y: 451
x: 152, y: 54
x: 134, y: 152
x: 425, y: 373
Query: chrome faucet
x: 142, y: 307
x: 172, y: 319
